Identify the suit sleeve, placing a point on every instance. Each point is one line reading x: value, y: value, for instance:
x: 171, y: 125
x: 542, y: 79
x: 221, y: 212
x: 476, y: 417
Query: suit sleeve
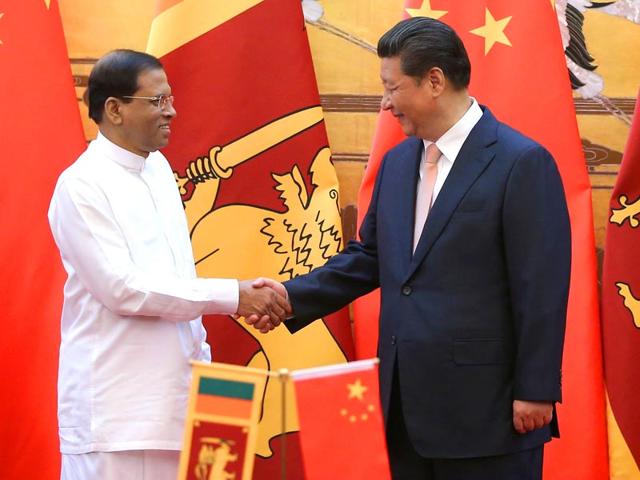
x: 537, y: 242
x: 345, y: 277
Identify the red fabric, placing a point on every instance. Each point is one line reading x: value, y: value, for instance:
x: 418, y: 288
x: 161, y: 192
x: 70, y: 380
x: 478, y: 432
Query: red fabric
x: 526, y: 85
x: 216, y: 442
x: 354, y: 445
x: 621, y: 330
x: 40, y: 134
x: 246, y: 73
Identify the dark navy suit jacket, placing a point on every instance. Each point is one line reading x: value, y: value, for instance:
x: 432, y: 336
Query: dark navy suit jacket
x: 476, y: 317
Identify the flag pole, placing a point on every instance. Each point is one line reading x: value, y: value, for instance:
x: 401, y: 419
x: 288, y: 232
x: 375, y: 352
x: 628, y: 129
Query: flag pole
x: 283, y: 375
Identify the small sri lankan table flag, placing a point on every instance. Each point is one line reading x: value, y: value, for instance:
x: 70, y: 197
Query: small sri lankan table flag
x: 222, y: 421
x: 341, y: 426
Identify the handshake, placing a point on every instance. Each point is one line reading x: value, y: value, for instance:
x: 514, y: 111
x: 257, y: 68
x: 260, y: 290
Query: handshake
x: 263, y: 303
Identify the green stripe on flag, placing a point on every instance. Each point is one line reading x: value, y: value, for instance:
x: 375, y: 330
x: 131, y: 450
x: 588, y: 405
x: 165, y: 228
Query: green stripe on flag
x: 226, y: 388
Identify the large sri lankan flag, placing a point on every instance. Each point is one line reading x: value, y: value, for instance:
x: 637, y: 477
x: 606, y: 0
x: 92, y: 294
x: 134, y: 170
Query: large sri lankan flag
x: 621, y: 313
x: 249, y: 151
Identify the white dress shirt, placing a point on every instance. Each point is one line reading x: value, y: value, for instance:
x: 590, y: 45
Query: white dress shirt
x: 132, y: 303
x: 450, y: 144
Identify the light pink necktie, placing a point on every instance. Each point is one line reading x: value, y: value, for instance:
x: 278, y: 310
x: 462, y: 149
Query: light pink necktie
x: 425, y: 190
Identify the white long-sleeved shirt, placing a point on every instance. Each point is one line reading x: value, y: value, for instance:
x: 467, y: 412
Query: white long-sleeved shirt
x: 132, y: 303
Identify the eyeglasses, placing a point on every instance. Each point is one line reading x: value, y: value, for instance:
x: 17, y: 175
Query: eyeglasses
x: 160, y: 101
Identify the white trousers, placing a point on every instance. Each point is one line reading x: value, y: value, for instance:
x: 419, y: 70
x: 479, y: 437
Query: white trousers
x: 125, y: 465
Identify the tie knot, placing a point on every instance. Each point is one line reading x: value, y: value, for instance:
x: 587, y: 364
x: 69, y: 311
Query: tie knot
x: 433, y: 153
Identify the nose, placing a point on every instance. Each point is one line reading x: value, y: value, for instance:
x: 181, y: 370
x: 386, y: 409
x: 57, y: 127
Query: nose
x: 169, y: 110
x: 385, y: 103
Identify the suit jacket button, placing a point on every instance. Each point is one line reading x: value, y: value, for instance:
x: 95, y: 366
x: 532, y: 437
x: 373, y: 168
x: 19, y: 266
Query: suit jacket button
x: 393, y: 339
x: 406, y: 290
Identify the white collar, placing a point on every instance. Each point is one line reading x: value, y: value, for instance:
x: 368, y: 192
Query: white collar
x: 118, y: 154
x: 452, y: 140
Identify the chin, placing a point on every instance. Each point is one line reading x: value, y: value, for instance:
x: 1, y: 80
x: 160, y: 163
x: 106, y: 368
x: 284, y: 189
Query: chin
x: 408, y: 131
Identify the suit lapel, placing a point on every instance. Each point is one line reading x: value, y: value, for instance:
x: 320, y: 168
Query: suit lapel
x: 476, y: 153
x: 405, y: 195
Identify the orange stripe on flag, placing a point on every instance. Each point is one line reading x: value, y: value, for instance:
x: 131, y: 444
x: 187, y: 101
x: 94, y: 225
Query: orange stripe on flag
x: 224, y: 406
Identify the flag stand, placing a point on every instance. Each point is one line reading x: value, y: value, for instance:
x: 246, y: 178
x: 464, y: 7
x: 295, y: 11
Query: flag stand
x: 283, y: 376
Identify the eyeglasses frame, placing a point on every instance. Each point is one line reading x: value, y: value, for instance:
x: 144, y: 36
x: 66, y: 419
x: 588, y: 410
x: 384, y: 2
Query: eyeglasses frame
x: 162, y: 100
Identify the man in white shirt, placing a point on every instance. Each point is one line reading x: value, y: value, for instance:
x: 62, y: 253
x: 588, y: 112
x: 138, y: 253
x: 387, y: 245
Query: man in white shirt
x: 131, y: 320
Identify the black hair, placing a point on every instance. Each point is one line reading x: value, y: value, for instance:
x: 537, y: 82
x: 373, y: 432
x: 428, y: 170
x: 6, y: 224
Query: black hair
x: 423, y: 43
x: 116, y: 75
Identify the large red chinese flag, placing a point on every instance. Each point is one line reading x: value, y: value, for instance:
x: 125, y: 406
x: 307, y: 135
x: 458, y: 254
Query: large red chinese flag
x: 40, y: 134
x: 621, y: 313
x: 519, y: 72
x: 249, y: 151
x: 342, y: 431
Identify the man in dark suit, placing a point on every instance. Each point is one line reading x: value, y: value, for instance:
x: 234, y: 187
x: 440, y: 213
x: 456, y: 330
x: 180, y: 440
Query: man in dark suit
x: 468, y: 237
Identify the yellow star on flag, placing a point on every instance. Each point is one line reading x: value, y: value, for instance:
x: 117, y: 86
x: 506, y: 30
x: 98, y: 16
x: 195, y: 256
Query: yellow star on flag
x: 47, y: 3
x: 1, y: 14
x: 492, y: 31
x: 357, y: 389
x: 426, y: 11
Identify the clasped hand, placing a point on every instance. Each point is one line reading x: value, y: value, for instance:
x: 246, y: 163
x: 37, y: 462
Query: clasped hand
x: 263, y: 303
x: 529, y: 416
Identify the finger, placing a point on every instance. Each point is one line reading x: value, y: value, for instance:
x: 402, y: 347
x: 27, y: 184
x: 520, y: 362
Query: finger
x: 259, y: 319
x: 284, y: 304
x: 518, y: 425
x: 267, y: 326
x: 264, y: 321
x: 251, y: 319
x: 528, y: 423
x: 277, y: 312
x: 539, y: 421
x: 258, y: 282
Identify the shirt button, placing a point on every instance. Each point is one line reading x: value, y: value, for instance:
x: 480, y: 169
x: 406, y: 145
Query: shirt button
x: 393, y: 339
x: 406, y: 290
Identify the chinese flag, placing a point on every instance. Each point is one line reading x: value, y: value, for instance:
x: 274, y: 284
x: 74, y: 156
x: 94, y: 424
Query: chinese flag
x: 341, y: 427
x: 621, y: 313
x: 40, y: 134
x: 249, y: 152
x: 518, y: 70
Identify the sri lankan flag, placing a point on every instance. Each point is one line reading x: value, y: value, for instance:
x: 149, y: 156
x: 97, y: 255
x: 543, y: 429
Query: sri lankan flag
x: 621, y: 313
x: 250, y: 156
x: 222, y: 422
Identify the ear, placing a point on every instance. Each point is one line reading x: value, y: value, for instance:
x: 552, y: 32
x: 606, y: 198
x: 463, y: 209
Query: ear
x: 435, y: 80
x: 113, y: 110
